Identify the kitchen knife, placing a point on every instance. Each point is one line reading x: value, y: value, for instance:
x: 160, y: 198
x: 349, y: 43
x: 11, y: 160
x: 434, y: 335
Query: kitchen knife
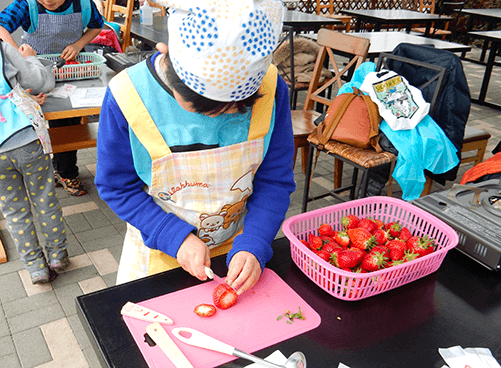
x: 211, y: 275
x: 168, y: 346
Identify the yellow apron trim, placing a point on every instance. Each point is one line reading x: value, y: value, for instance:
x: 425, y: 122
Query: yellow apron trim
x: 159, y: 261
x: 137, y: 116
x: 263, y: 108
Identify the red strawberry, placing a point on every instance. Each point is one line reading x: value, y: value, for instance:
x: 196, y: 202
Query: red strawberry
x: 360, y: 238
x: 224, y: 296
x: 205, y: 310
x: 349, y: 258
x: 409, y: 256
x: 326, y: 256
x: 326, y: 239
x: 396, y: 243
x: 305, y: 243
x: 393, y: 229
x: 349, y: 222
x: 367, y: 224
x: 379, y: 223
x: 373, y: 261
x: 397, y: 251
x: 381, y: 249
x: 315, y: 241
x: 381, y: 236
x: 393, y: 263
x: 326, y: 229
x: 421, y: 245
x: 330, y: 247
x: 404, y: 234
x: 342, y: 238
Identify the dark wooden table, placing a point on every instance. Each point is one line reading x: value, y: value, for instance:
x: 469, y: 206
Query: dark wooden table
x: 494, y: 38
x: 490, y: 16
x: 305, y: 21
x: 460, y: 304
x: 380, y: 17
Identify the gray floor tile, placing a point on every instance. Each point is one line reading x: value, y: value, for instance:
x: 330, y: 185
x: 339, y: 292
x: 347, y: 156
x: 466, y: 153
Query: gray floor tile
x: 14, y: 290
x: 103, y: 243
x: 11, y: 361
x: 31, y: 347
x: 37, y: 317
x: 78, y: 223
x: 7, y: 346
x: 4, y: 326
x: 101, y: 233
x: 30, y: 303
x: 97, y: 219
x: 66, y: 296
x: 74, y: 276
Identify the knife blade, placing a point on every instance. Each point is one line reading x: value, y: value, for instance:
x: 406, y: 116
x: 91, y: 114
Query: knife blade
x: 211, y: 275
x: 168, y: 346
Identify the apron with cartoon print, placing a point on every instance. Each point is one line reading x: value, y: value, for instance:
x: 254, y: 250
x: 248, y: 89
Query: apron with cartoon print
x: 208, y: 189
x: 50, y: 32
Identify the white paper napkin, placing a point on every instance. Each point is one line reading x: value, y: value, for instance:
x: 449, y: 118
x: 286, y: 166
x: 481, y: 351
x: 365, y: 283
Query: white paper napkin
x: 457, y: 357
x: 276, y: 357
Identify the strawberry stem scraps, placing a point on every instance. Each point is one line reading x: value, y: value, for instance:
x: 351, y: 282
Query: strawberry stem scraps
x: 291, y: 316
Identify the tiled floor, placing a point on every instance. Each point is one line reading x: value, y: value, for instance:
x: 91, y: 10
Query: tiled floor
x: 38, y: 324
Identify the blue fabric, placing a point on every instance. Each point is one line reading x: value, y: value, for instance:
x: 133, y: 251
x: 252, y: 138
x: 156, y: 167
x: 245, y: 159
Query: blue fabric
x: 17, y: 14
x: 424, y: 147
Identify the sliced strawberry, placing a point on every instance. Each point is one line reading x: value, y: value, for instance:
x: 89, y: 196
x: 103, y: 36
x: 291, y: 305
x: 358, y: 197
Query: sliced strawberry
x: 224, y: 296
x: 326, y: 229
x: 205, y: 310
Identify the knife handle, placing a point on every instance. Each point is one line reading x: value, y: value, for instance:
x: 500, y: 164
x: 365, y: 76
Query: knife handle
x: 168, y: 346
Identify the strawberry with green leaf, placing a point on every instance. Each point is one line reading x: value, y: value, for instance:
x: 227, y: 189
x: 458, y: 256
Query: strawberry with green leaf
x: 326, y: 230
x: 349, y: 222
x: 422, y: 246
x: 374, y: 261
x: 361, y: 238
x: 342, y: 238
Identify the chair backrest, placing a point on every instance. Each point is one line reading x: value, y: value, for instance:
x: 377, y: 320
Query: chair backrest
x: 334, y: 43
x: 431, y: 87
x: 427, y: 6
x: 126, y: 11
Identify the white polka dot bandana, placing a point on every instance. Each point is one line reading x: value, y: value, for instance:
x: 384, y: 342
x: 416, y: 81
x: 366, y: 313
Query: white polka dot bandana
x: 222, y: 49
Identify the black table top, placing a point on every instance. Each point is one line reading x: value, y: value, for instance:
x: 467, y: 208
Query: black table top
x: 393, y: 15
x: 460, y: 304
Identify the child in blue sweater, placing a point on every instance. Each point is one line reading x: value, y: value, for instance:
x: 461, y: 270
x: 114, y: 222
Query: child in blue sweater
x: 195, y: 145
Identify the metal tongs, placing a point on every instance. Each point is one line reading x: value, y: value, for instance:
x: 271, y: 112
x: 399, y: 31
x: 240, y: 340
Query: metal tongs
x: 59, y: 63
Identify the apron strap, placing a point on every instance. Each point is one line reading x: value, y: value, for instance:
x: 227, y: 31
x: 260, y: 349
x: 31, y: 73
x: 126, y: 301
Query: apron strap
x: 137, y: 116
x: 263, y: 108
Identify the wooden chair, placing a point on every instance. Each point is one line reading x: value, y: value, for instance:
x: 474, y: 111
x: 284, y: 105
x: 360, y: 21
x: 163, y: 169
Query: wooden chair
x: 447, y: 9
x: 327, y: 10
x: 331, y: 42
x: 125, y: 22
x: 163, y: 11
x: 361, y: 159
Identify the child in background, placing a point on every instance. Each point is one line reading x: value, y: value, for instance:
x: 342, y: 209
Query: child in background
x: 195, y: 144
x: 55, y: 27
x: 25, y: 171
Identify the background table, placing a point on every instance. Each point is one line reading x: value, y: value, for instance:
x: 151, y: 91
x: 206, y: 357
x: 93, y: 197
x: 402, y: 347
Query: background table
x: 60, y: 108
x: 460, y: 304
x: 494, y: 37
x: 380, y: 17
x: 490, y: 16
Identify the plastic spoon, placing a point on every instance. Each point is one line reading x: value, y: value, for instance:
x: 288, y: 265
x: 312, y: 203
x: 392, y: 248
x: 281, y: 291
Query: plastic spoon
x: 196, y: 338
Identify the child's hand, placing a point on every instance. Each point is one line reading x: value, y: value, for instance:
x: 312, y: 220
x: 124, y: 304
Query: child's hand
x: 193, y: 256
x: 27, y: 50
x: 70, y: 52
x: 244, y: 271
x: 40, y: 98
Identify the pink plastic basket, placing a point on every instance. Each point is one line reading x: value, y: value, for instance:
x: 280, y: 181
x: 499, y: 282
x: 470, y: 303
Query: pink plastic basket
x: 355, y: 286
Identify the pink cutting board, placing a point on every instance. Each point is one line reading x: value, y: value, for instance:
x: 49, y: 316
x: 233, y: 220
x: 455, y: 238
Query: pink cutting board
x: 250, y: 325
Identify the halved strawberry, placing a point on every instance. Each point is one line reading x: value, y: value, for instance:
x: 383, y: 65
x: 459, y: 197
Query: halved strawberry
x: 224, y: 296
x: 205, y: 310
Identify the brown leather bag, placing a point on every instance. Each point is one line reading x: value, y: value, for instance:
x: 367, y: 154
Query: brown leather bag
x: 352, y: 118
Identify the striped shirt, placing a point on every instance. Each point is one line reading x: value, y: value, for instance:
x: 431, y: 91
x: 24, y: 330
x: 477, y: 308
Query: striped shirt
x: 17, y: 15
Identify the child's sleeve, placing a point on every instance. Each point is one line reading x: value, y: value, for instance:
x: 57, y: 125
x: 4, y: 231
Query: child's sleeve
x: 29, y: 72
x: 96, y: 19
x: 15, y: 15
